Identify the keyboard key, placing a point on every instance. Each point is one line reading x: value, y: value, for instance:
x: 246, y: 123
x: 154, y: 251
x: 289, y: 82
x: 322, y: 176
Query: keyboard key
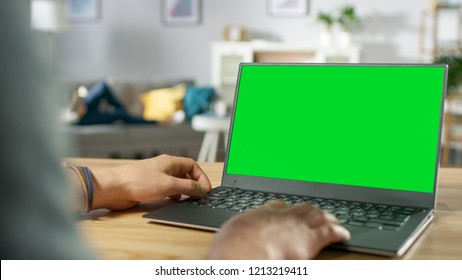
x: 343, y: 217
x: 402, y: 218
x: 372, y: 215
x: 222, y: 192
x: 389, y: 227
x: 387, y: 214
x: 256, y: 203
x: 242, y: 205
x: 381, y: 208
x: 386, y: 217
x: 236, y: 208
x: 341, y: 212
x: 358, y: 213
x: 360, y: 219
x: 211, y: 204
x: 224, y: 205
x: 373, y: 225
x: 355, y: 223
x: 328, y: 207
x: 386, y: 222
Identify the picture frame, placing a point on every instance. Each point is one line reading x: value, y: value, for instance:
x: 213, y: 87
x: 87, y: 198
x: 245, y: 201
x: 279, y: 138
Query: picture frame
x: 181, y: 12
x: 83, y: 10
x: 288, y: 8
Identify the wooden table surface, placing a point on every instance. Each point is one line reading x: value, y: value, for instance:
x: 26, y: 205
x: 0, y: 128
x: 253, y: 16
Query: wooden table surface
x: 127, y: 235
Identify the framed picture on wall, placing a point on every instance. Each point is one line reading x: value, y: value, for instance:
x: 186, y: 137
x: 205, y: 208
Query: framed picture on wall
x: 83, y: 10
x: 181, y: 12
x: 288, y: 8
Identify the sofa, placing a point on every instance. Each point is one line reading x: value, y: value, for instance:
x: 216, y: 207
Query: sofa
x: 119, y: 140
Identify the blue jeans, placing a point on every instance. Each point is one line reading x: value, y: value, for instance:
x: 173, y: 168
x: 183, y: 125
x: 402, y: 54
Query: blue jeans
x: 95, y: 115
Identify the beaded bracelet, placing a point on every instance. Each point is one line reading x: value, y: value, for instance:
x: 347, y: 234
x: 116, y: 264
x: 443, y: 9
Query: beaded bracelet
x: 86, y: 181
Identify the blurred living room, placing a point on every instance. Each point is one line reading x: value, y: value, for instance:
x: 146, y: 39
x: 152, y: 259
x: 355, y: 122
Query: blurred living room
x: 173, y: 64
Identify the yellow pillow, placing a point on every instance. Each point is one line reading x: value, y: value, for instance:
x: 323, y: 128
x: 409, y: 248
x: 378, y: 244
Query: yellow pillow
x: 161, y: 104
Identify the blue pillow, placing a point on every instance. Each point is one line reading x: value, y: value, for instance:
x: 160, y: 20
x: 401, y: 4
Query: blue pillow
x: 197, y: 100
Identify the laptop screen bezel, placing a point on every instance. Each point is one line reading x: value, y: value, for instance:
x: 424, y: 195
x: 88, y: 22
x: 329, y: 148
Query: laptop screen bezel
x: 337, y: 191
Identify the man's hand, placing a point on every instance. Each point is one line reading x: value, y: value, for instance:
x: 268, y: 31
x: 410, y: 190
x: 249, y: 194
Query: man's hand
x: 152, y: 179
x: 274, y: 231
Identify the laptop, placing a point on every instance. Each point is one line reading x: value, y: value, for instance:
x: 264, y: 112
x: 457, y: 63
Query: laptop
x: 361, y: 141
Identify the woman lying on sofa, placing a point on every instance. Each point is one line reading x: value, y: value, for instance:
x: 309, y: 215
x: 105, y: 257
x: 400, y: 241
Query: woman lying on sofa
x: 99, y: 105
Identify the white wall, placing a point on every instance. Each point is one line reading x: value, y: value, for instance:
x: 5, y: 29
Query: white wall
x: 130, y: 39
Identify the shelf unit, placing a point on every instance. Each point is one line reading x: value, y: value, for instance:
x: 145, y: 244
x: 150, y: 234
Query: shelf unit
x: 226, y: 57
x: 431, y: 46
x: 430, y: 19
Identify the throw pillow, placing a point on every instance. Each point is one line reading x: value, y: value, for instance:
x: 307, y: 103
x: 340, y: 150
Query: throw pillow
x: 161, y: 104
x: 197, y: 100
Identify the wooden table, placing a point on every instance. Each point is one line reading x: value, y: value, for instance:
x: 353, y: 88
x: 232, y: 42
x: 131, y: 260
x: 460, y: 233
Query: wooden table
x: 127, y: 235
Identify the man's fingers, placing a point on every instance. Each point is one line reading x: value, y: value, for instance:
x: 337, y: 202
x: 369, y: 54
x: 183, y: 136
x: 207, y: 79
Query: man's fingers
x: 175, y: 197
x: 188, y: 187
x: 313, y: 216
x: 199, y: 175
x: 326, y: 235
x: 275, y: 204
x: 331, y: 218
x: 319, y: 217
x: 332, y: 233
x: 192, y: 169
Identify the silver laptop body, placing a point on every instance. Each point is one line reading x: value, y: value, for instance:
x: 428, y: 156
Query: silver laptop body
x: 417, y: 207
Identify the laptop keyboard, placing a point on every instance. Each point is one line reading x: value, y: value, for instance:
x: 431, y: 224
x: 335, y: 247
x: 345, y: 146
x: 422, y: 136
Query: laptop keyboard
x: 370, y: 215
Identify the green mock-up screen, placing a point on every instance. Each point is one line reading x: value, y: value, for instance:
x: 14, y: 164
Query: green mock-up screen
x: 370, y: 126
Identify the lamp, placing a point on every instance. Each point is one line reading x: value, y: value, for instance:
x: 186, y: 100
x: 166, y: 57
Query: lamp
x: 48, y: 16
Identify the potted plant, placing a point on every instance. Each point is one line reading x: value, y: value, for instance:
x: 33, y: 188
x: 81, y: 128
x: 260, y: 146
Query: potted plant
x: 326, y: 35
x: 454, y: 61
x: 347, y: 20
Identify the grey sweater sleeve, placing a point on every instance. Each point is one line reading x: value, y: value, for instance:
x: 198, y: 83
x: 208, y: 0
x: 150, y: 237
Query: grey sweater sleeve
x: 36, y: 221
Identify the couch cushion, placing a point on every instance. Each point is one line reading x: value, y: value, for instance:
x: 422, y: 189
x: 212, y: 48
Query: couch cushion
x: 197, y: 100
x: 161, y: 104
